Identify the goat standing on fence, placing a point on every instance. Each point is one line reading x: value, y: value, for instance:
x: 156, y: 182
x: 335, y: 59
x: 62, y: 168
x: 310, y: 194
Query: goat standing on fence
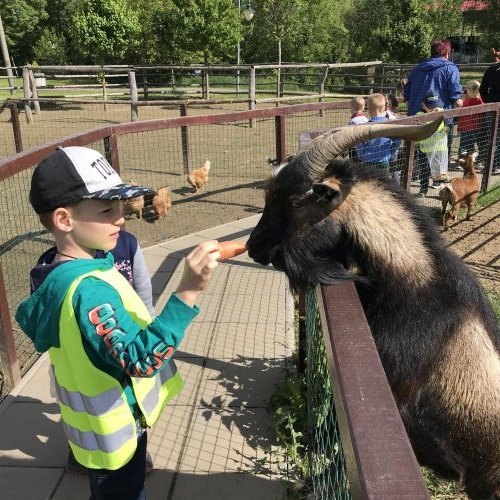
x: 326, y: 219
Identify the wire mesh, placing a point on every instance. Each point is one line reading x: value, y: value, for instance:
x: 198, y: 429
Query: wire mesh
x: 328, y: 476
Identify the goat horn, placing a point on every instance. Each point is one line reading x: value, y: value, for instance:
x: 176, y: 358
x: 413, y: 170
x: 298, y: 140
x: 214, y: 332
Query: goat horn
x: 325, y: 148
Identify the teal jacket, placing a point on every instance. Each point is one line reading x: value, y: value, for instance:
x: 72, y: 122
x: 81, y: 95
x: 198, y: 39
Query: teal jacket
x: 39, y: 315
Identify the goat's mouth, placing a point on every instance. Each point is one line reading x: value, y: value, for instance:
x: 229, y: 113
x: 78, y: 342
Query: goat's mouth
x: 269, y: 257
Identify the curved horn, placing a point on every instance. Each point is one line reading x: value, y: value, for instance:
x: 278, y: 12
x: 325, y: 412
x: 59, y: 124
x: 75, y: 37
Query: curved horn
x: 325, y: 148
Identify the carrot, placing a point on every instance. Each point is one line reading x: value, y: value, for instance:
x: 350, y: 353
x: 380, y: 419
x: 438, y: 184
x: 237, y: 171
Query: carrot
x: 230, y: 249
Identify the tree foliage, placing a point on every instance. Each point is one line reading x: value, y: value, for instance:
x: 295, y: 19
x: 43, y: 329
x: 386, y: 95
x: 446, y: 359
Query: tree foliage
x: 195, y: 31
x: 103, y: 31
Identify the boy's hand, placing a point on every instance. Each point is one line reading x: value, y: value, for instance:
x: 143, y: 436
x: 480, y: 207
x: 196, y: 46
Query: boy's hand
x: 198, y: 267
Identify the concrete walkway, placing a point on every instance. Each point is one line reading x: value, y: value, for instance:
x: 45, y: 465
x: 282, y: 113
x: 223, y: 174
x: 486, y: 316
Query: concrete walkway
x: 213, y: 441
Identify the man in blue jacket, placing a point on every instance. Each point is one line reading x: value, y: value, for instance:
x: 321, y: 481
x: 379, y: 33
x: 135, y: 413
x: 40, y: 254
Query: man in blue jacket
x: 435, y: 75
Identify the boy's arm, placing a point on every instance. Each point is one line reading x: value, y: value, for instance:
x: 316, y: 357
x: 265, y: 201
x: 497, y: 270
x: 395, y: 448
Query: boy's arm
x: 118, y: 340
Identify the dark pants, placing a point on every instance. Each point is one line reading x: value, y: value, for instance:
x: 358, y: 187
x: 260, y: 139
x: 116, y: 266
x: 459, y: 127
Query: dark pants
x: 424, y: 170
x: 126, y: 483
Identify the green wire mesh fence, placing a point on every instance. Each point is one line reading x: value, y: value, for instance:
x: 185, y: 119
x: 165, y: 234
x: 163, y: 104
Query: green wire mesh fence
x: 328, y: 475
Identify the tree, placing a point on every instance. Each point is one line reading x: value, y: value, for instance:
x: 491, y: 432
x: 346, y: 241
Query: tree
x: 198, y: 30
x: 22, y: 21
x: 103, y: 31
x: 394, y: 31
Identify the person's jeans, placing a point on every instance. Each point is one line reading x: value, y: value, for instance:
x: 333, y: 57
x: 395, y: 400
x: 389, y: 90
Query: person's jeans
x: 424, y: 169
x: 468, y: 138
x: 126, y: 483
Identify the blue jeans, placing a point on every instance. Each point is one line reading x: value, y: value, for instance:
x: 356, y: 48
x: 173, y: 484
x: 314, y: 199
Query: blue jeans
x: 126, y: 483
x: 468, y: 138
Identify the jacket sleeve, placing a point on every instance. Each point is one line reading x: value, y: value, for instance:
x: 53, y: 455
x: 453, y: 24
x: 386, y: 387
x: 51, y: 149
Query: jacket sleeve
x: 485, y: 86
x: 142, y: 281
x: 117, y: 339
x: 454, y: 86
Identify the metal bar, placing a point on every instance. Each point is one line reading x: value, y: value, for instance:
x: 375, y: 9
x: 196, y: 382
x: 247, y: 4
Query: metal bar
x: 379, y: 458
x: 408, y: 167
x: 493, y: 133
x: 279, y: 122
x: 302, y: 340
x: 185, y: 142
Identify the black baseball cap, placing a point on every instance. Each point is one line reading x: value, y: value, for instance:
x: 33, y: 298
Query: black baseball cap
x: 75, y: 173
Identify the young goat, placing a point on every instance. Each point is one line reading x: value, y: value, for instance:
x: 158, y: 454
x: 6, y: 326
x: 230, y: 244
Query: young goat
x: 460, y: 192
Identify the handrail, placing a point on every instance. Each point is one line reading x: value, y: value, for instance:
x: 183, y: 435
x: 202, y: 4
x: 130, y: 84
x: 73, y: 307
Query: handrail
x: 379, y: 458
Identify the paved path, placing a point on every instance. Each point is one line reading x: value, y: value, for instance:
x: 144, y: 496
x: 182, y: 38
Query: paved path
x: 213, y: 441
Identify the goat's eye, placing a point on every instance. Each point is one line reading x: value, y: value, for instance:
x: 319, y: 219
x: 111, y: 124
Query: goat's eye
x: 296, y: 203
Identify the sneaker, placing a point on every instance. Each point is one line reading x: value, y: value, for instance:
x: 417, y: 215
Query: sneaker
x: 149, y: 462
x: 496, y: 171
x: 422, y: 194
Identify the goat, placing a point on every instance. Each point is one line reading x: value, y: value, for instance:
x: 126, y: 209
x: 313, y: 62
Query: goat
x: 460, y: 192
x: 326, y: 219
x: 161, y: 202
x: 198, y: 178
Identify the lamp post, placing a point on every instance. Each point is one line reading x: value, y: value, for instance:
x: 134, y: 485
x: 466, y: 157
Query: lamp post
x: 248, y: 14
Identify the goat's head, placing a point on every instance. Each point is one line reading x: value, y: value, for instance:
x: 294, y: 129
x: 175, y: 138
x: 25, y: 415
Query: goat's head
x: 467, y: 161
x: 305, y: 193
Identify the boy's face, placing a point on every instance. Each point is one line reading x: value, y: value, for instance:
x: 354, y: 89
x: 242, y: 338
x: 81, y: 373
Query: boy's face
x: 96, y: 223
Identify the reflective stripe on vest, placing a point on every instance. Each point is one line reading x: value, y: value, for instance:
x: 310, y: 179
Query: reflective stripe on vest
x: 151, y: 399
x: 92, y: 441
x: 96, y: 405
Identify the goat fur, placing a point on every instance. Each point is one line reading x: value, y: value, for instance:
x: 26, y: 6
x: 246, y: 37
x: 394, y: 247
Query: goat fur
x: 435, y: 330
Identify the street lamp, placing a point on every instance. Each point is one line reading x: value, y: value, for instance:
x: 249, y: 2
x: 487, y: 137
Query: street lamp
x: 248, y: 14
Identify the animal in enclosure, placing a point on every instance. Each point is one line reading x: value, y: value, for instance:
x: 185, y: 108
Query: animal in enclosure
x: 461, y: 192
x: 198, y: 178
x: 162, y: 202
x: 327, y: 219
x: 133, y: 205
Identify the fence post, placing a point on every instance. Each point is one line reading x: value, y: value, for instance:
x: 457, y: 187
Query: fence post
x: 302, y: 340
x: 407, y: 172
x: 205, y: 85
x: 321, y: 88
x: 145, y: 88
x: 134, y: 112
x: 370, y: 81
x: 495, y: 123
x: 111, y: 151
x: 34, y: 92
x: 279, y: 122
x: 185, y: 141
x: 8, y: 356
x: 251, y: 92
x: 27, y: 95
x: 16, y: 127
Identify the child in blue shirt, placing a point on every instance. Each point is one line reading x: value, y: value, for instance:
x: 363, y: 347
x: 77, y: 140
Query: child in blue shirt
x: 381, y: 151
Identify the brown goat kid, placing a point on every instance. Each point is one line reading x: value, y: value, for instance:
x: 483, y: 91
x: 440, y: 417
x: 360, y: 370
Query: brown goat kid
x: 460, y: 192
x: 198, y: 178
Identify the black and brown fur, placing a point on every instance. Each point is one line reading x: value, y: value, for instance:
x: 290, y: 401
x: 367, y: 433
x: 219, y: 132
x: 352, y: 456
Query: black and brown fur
x: 432, y: 322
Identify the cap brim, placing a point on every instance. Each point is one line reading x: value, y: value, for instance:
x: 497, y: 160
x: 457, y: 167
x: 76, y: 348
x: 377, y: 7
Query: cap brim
x: 120, y: 192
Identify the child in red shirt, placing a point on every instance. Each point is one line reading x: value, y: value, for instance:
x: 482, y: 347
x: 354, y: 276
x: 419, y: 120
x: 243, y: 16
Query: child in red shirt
x: 470, y: 127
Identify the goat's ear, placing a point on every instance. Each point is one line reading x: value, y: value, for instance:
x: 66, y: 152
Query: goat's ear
x: 327, y: 190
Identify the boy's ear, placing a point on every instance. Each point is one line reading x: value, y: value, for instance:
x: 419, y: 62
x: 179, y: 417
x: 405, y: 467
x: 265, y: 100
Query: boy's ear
x: 61, y: 219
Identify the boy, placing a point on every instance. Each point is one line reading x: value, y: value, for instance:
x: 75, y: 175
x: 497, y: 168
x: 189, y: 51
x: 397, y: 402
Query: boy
x: 431, y: 154
x: 357, y: 106
x: 110, y: 359
x: 470, y: 127
x: 381, y: 151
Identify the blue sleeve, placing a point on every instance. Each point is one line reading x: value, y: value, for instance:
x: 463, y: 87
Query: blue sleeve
x: 117, y: 339
x: 360, y: 149
x: 454, y: 86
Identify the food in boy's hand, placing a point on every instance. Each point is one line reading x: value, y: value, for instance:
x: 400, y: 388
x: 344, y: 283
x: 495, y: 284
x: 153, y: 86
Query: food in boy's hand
x: 230, y: 249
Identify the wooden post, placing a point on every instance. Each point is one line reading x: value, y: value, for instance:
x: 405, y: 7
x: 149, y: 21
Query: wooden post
x: 34, y: 92
x: 145, y: 89
x: 407, y: 172
x: 27, y: 94
x: 321, y: 88
x: 184, y: 141
x: 104, y: 94
x: 251, y: 92
x: 206, y: 85
x: 134, y: 110
x: 8, y: 356
x: 279, y: 126
x: 302, y: 337
x: 492, y: 150
x: 16, y: 127
x: 370, y: 71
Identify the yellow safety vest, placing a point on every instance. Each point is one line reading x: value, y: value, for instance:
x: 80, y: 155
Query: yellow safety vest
x: 438, y: 141
x: 96, y: 416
